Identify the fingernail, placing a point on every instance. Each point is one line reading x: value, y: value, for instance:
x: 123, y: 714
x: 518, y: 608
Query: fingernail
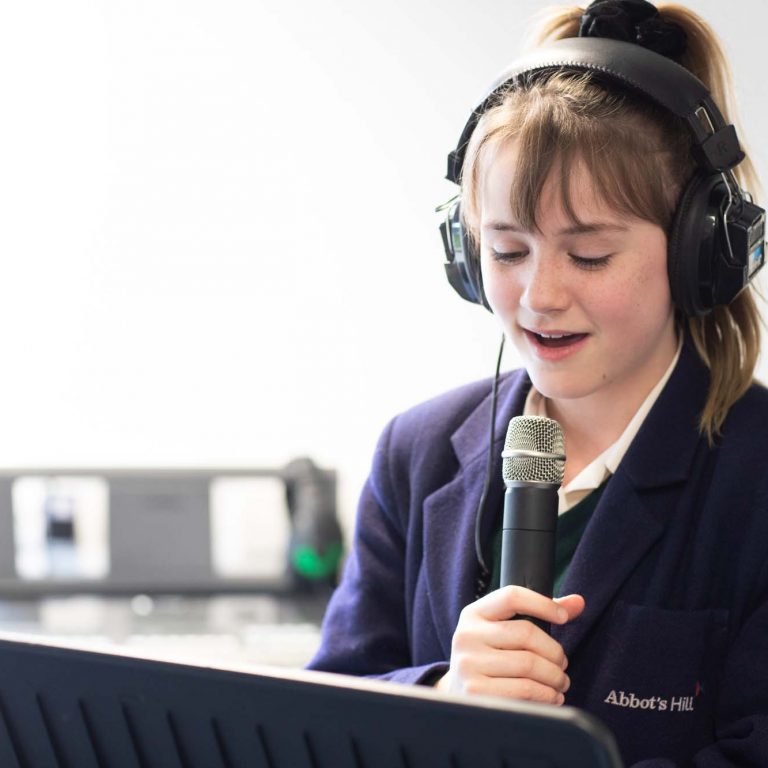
x: 562, y: 614
x: 560, y: 699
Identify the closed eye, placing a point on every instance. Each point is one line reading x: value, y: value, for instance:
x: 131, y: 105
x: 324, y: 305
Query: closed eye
x: 590, y: 262
x: 508, y: 257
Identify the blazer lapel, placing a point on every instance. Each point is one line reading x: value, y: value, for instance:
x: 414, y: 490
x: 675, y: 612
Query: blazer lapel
x: 632, y: 514
x: 449, y: 513
x: 621, y: 531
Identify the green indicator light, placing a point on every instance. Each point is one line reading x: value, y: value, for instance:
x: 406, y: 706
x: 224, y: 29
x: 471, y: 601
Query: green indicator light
x: 313, y: 565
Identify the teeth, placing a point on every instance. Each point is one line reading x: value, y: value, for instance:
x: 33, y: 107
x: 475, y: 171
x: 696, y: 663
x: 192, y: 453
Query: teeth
x: 554, y: 335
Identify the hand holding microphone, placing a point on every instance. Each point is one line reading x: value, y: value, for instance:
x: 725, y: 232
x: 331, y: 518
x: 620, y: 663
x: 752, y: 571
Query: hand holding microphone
x: 493, y: 652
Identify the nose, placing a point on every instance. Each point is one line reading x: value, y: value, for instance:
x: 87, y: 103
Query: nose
x: 545, y: 287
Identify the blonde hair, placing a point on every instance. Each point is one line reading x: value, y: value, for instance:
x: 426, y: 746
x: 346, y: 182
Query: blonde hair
x: 639, y: 157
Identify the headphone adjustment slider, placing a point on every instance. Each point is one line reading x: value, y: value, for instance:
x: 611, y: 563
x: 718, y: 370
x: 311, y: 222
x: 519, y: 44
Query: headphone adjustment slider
x: 721, y: 151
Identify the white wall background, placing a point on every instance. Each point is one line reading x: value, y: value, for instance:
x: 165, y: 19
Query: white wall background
x: 216, y: 226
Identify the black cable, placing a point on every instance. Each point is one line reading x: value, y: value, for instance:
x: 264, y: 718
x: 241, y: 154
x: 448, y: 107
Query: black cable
x: 483, y: 580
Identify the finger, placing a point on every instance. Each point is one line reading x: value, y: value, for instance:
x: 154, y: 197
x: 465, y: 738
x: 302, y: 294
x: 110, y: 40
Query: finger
x: 525, y: 665
x: 507, y: 602
x: 514, y: 688
x: 523, y: 635
x: 573, y: 604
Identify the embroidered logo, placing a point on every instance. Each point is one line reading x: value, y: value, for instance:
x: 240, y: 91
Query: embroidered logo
x: 657, y: 703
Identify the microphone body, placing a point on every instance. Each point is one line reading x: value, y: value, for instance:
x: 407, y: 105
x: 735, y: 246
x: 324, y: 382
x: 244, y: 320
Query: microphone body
x: 528, y: 536
x: 534, y: 459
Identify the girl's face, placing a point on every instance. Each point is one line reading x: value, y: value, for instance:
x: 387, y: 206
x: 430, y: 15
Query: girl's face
x: 588, y: 307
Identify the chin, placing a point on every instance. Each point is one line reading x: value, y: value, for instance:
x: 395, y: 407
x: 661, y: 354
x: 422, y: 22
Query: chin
x: 562, y: 388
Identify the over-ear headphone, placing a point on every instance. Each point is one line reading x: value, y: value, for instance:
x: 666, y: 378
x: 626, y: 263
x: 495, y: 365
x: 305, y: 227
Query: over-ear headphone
x: 716, y: 243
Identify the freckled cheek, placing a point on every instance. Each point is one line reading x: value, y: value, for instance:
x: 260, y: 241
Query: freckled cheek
x: 616, y: 309
x: 503, y: 294
x: 502, y: 286
x: 651, y: 295
x: 633, y: 313
x: 613, y: 309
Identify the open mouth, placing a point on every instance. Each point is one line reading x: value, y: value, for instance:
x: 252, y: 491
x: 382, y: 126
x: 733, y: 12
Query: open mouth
x: 555, y: 340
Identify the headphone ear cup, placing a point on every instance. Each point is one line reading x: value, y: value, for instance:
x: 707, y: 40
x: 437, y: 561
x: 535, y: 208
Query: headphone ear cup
x: 462, y: 266
x: 693, y: 250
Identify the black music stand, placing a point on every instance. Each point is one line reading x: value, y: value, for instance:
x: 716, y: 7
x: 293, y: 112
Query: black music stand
x: 70, y: 708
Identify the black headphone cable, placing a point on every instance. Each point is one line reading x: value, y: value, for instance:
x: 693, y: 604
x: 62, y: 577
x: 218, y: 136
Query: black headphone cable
x: 483, y: 579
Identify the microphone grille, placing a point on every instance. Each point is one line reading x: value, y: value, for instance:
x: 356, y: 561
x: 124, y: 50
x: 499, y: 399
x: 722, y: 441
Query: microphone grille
x: 534, y: 451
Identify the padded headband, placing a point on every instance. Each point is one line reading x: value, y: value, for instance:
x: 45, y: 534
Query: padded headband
x: 716, y: 147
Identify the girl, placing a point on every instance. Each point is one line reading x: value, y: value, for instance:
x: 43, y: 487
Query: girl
x: 609, y: 236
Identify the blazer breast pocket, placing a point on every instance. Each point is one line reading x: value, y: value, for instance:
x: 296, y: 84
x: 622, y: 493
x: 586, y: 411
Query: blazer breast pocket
x: 656, y: 678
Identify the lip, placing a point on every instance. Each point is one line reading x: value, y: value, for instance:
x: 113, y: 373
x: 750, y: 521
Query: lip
x: 553, y: 354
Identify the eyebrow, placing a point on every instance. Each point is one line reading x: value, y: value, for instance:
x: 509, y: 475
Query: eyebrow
x: 584, y: 228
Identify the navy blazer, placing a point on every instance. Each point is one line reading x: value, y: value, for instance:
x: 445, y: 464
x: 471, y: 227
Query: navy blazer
x: 671, y: 651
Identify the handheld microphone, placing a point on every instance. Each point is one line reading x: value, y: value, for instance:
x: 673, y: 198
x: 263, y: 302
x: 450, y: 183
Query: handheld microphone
x: 533, y: 467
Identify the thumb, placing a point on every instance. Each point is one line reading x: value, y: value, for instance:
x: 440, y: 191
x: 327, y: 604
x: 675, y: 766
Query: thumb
x: 573, y: 604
